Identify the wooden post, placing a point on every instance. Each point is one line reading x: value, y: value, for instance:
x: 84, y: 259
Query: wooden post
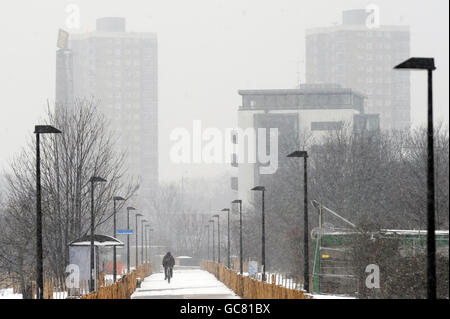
x: 33, y: 289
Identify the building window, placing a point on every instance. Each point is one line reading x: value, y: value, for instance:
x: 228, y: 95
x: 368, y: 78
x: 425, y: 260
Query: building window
x: 326, y: 126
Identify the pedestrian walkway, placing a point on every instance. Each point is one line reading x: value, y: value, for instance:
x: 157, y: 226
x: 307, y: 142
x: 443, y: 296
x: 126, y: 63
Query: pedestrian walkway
x: 185, y: 284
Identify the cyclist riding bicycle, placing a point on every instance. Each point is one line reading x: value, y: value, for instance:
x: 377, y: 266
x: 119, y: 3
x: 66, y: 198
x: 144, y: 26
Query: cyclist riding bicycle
x: 168, y: 263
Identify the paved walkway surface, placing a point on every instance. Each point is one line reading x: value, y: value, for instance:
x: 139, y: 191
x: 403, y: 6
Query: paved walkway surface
x: 185, y: 284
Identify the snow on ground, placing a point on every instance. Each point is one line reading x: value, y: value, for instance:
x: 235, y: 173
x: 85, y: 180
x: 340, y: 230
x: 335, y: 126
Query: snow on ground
x: 324, y: 296
x: 60, y: 295
x: 280, y: 280
x: 7, y: 293
x: 111, y: 277
x: 185, y: 284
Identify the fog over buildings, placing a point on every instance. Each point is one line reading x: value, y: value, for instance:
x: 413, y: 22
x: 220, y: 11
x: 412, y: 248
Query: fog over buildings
x: 119, y: 69
x: 361, y: 58
x: 286, y: 127
x: 207, y: 52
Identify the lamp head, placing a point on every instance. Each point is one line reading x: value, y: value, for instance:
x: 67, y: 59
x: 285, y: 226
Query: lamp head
x: 130, y: 208
x: 225, y: 210
x: 118, y: 198
x: 417, y: 64
x: 95, y: 179
x: 299, y: 154
x: 236, y: 201
x: 258, y: 188
x: 45, y: 129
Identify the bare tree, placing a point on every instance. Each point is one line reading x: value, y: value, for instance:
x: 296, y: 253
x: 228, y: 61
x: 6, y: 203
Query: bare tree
x: 376, y: 179
x: 84, y: 149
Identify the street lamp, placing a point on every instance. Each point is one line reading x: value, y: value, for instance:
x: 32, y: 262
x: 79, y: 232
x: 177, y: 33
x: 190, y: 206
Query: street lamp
x: 218, y: 237
x: 128, y: 237
x: 136, y: 243
x: 149, y: 245
x: 304, y: 154
x: 142, y: 239
x: 40, y: 129
x: 428, y: 65
x: 228, y: 236
x: 263, y: 237
x: 213, y: 240
x: 241, y: 266
x: 207, y: 245
x: 93, y: 180
x: 115, y: 199
x: 146, y: 242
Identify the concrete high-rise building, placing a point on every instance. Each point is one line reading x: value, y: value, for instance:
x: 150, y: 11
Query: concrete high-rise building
x: 118, y: 69
x: 361, y: 56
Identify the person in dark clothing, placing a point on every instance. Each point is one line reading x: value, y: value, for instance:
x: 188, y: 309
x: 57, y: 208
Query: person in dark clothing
x: 168, y: 263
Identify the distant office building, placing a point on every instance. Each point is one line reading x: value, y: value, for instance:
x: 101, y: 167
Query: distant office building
x: 310, y: 112
x: 362, y: 58
x: 120, y: 70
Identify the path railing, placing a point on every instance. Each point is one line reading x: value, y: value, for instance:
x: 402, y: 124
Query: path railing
x: 250, y: 288
x: 107, y: 289
x: 123, y: 288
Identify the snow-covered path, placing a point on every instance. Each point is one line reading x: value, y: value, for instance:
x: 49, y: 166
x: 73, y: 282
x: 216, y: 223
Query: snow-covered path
x: 185, y: 284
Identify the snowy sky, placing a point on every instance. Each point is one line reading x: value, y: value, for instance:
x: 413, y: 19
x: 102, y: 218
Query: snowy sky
x: 208, y: 49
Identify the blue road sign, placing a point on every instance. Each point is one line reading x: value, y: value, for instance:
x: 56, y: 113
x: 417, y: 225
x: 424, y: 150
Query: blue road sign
x: 125, y: 232
x: 252, y: 268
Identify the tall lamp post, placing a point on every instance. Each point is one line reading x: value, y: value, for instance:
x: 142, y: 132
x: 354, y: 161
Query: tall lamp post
x: 129, y: 208
x: 142, y: 239
x: 228, y: 237
x: 150, y: 230
x: 93, y: 180
x: 136, y: 244
x: 38, y: 130
x: 241, y: 265
x: 115, y: 199
x: 304, y: 154
x: 263, y: 236
x: 218, y: 237
x: 213, y: 244
x: 147, y: 226
x: 208, y: 243
x: 428, y: 65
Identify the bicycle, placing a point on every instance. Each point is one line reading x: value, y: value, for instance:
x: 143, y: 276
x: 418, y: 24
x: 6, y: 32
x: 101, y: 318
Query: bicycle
x: 168, y: 273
